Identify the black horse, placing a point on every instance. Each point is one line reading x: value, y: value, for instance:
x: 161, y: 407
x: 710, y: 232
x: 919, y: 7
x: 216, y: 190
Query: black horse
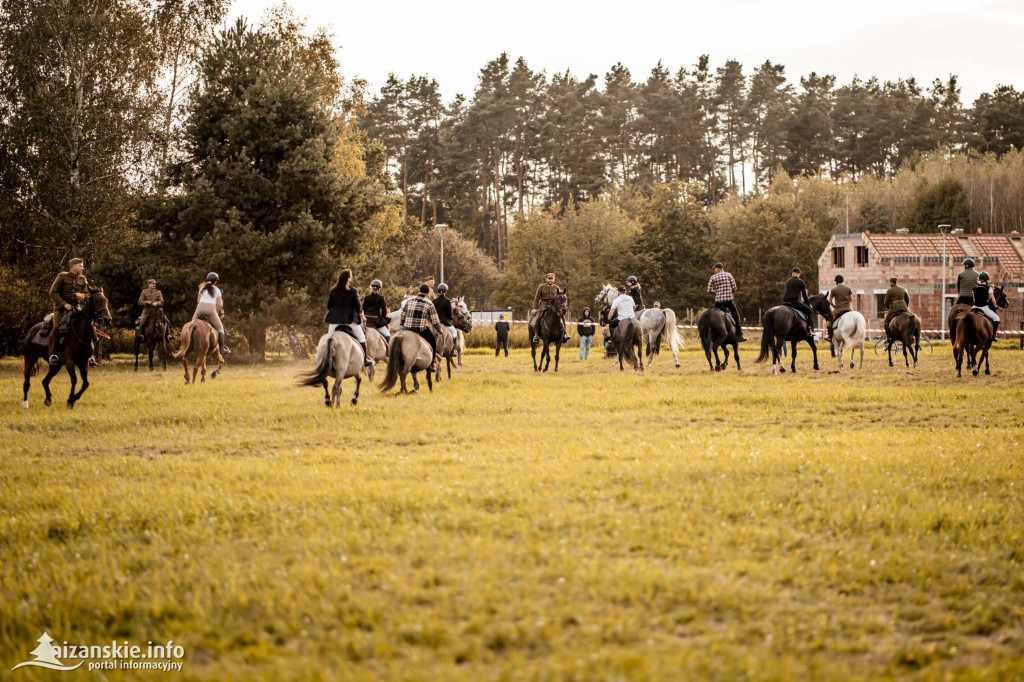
x: 717, y: 329
x: 782, y: 324
x: 549, y: 330
x: 905, y: 328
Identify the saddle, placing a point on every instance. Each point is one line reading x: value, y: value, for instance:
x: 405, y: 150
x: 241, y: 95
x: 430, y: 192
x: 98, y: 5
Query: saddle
x: 800, y: 313
x: 896, y: 317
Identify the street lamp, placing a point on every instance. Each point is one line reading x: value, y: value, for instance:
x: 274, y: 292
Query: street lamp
x: 945, y: 265
x: 440, y: 229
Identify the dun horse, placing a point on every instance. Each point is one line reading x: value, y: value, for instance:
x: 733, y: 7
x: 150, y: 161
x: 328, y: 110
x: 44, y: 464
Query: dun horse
x: 156, y: 338
x: 549, y: 330
x: 77, y: 348
x: 200, y: 338
x: 717, y: 329
x: 782, y: 324
x: 338, y: 355
x: 407, y: 352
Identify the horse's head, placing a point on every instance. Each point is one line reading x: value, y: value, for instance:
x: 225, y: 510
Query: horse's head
x: 607, y: 295
x: 461, y: 318
x: 560, y: 304
x: 98, y: 306
x: 819, y: 304
x: 1002, y: 302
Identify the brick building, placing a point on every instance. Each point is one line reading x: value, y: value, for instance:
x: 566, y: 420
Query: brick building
x: 867, y: 260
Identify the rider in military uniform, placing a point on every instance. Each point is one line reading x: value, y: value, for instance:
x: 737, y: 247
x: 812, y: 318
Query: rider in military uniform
x: 541, y: 301
x: 67, y: 292
x: 150, y: 299
x: 896, y: 300
x: 840, y: 297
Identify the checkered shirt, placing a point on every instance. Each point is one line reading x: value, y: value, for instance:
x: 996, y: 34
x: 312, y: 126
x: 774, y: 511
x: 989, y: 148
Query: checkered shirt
x: 722, y: 285
x: 419, y: 313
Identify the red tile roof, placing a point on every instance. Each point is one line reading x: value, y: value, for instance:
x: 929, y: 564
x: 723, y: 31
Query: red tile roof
x: 998, y: 246
x: 901, y: 245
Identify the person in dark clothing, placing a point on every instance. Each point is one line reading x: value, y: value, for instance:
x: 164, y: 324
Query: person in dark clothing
x: 796, y: 297
x: 444, y: 311
x: 501, y: 329
x: 633, y: 289
x: 345, y: 310
x: 375, y: 309
x: 586, y: 330
x: 965, y: 283
x: 980, y: 301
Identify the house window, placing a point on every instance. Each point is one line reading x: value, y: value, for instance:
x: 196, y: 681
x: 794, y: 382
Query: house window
x: 839, y: 256
x: 880, y: 305
x: 860, y: 254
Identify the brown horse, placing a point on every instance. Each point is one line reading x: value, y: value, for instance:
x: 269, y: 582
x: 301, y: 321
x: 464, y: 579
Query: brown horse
x: 1002, y: 303
x: 549, y: 330
x: 782, y: 324
x: 717, y: 330
x: 629, y: 336
x: 77, y: 348
x: 976, y: 334
x: 199, y: 337
x: 407, y: 352
x: 905, y: 328
x: 155, y: 332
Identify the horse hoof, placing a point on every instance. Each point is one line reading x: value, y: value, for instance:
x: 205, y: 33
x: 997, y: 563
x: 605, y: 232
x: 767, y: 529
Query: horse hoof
x: 46, y: 402
x: 355, y: 401
x: 214, y: 375
x: 71, y: 405
x: 678, y: 365
x: 413, y: 391
x: 24, y: 404
x: 986, y: 372
x: 327, y: 403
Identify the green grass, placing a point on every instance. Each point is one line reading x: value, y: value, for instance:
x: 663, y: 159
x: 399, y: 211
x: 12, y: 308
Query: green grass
x: 593, y: 524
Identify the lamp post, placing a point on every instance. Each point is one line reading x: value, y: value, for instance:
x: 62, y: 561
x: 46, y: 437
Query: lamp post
x: 945, y: 265
x: 440, y: 229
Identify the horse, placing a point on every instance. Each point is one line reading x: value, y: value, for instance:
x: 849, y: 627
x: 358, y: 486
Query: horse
x: 338, y: 355
x: 1002, y: 303
x: 78, y: 347
x: 460, y: 344
x: 200, y: 337
x: 155, y: 333
x: 659, y: 325
x: 376, y: 349
x: 905, y: 328
x: 549, y: 330
x: 407, y: 352
x: 716, y: 328
x: 448, y: 347
x: 782, y: 324
x: 848, y: 331
x: 976, y: 334
x: 630, y: 334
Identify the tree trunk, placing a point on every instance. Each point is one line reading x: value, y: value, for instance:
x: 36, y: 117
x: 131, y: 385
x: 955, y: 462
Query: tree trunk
x: 405, y: 193
x: 257, y: 339
x: 497, y: 215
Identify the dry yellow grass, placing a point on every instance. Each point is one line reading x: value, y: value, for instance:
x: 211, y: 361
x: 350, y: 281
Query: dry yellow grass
x: 586, y: 525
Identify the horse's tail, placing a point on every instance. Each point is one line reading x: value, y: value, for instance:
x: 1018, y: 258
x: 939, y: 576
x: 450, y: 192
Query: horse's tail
x: 324, y: 353
x: 671, y: 332
x: 704, y: 330
x: 767, y: 337
x: 186, y: 339
x: 395, y: 363
x: 964, y: 321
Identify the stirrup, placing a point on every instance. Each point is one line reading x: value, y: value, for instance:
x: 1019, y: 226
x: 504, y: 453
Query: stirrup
x: 53, y: 360
x: 224, y: 350
x: 536, y: 339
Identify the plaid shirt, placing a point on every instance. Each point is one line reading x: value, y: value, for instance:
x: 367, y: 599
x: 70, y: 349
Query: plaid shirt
x: 419, y: 313
x: 722, y: 285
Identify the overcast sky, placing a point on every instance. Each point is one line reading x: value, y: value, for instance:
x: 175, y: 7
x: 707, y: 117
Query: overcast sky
x: 980, y: 41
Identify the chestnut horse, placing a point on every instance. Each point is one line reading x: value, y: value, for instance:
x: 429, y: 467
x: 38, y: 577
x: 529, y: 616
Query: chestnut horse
x: 199, y: 337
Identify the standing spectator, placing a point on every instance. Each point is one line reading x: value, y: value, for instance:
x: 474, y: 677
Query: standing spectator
x: 586, y: 332
x: 501, y: 329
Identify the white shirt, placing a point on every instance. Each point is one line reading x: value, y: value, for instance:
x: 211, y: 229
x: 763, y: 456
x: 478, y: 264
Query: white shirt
x: 623, y: 305
x: 205, y: 296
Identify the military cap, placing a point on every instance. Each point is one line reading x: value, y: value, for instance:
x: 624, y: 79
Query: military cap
x: 550, y: 274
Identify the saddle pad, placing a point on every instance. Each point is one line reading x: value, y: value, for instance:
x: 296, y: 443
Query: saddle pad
x: 42, y: 337
x: 799, y: 312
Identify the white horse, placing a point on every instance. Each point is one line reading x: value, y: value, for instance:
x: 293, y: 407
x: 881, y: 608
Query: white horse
x: 849, y: 330
x: 659, y: 324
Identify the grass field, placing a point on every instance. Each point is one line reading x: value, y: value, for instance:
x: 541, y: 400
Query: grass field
x: 586, y: 525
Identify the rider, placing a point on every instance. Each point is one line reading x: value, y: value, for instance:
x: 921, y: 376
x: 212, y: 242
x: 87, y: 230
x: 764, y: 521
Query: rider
x: 633, y: 289
x: 896, y: 300
x: 344, y: 310
x: 444, y: 310
x: 796, y: 297
x: 840, y: 297
x: 723, y: 286
x: 66, y: 292
x: 430, y: 287
x: 210, y: 304
x: 542, y: 301
x: 965, y: 283
x: 150, y: 299
x: 420, y: 316
x: 981, y: 299
x: 622, y: 308
x: 375, y: 308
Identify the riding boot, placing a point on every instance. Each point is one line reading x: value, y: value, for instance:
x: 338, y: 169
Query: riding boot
x: 565, y: 334
x: 995, y: 328
x: 829, y: 337
x: 220, y: 339
x: 536, y: 339
x: 367, y: 361
x: 58, y: 349
x: 139, y: 331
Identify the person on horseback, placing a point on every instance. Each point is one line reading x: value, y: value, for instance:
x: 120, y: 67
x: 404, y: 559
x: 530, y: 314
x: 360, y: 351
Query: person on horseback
x: 633, y: 289
x: 150, y: 299
x: 67, y: 292
x: 376, y: 311
x: 840, y: 297
x: 981, y: 299
x: 443, y: 304
x: 965, y: 283
x: 542, y: 301
x: 795, y: 297
x: 896, y: 300
x: 345, y: 310
x: 210, y: 304
x: 623, y: 308
x: 420, y: 316
x: 723, y: 286
x: 430, y: 287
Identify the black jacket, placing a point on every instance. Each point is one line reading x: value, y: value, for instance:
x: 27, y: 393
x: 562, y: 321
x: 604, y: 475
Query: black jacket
x: 638, y: 298
x: 443, y: 304
x: 586, y: 331
x: 501, y: 328
x: 343, y: 307
x: 374, y: 305
x: 796, y: 291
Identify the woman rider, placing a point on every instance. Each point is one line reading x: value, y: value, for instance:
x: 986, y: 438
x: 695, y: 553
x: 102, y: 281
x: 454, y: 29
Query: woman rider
x: 210, y: 304
x: 345, y: 310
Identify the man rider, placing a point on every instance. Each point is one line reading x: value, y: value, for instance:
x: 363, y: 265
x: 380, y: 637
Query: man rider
x: 980, y: 301
x: 150, y: 299
x: 430, y: 287
x: 965, y: 283
x: 896, y: 300
x: 375, y: 308
x: 542, y: 301
x: 420, y: 316
x: 67, y: 291
x: 633, y: 289
x: 840, y: 297
x: 443, y: 304
x: 623, y: 308
x: 723, y: 286
x: 796, y: 297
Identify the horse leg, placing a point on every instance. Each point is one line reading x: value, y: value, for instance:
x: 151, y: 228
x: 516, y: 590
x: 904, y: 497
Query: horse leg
x: 725, y: 352
x: 558, y: 350
x: 29, y: 361
x: 336, y: 394
x: 792, y: 365
x: 416, y: 381
x: 958, y: 356
x: 906, y: 358
x: 85, y: 380
x: 51, y: 372
x: 546, y: 355
x: 718, y: 364
x: 736, y: 353
x: 449, y: 366
x: 985, y: 352
x: 839, y: 349
x: 430, y: 385
x: 814, y: 352
x: 533, y: 354
x: 707, y: 354
x: 136, y: 352
x: 74, y: 382
x: 640, y: 354
x: 401, y: 376
x: 888, y: 348
x: 355, y: 398
x: 327, y: 395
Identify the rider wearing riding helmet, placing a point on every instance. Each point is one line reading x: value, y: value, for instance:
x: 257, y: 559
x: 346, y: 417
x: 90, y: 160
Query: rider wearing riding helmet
x: 375, y: 308
x: 965, y: 283
x: 982, y: 297
x: 623, y: 307
x: 344, y: 310
x: 443, y: 304
x: 634, y: 292
x: 210, y: 304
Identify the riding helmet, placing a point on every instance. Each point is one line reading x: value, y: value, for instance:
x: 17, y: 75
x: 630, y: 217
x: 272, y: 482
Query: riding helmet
x: 213, y: 277
x: 631, y: 279
x: 968, y: 262
x: 442, y: 287
x: 376, y: 284
x: 622, y: 287
x: 983, y: 275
